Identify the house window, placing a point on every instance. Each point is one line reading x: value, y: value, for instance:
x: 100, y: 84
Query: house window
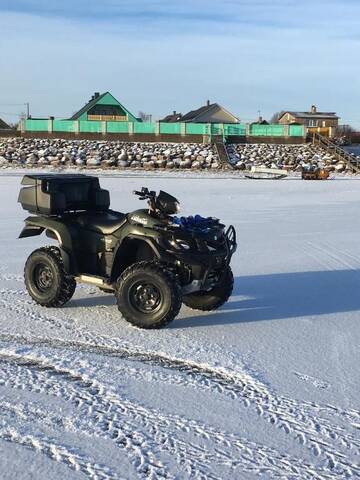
x: 312, y: 123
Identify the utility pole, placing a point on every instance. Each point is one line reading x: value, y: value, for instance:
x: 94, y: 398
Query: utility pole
x: 27, y: 109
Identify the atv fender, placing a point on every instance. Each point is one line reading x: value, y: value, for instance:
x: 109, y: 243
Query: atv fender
x: 31, y: 231
x: 54, y: 229
x: 147, y: 240
x: 123, y: 255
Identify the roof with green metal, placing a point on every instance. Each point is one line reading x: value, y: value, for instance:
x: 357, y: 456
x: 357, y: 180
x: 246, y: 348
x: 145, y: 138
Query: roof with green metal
x: 94, y: 100
x: 87, y: 107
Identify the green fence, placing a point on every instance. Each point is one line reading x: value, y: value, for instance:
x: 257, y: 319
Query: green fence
x: 90, y: 126
x: 63, y: 126
x: 235, y: 129
x: 196, y: 128
x: 267, y: 130
x: 296, y: 130
x: 214, y: 129
x: 117, y: 127
x: 144, y: 127
x: 36, y: 125
x: 170, y: 128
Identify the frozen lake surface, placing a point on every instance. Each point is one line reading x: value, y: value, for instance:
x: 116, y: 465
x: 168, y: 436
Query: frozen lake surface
x: 266, y: 386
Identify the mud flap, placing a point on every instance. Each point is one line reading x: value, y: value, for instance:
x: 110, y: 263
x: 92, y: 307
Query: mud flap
x: 69, y: 262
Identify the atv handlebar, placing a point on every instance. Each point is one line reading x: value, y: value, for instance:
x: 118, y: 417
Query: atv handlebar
x: 145, y: 194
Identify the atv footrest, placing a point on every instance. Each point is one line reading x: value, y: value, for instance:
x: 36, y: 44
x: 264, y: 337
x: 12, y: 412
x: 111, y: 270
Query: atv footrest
x: 94, y: 280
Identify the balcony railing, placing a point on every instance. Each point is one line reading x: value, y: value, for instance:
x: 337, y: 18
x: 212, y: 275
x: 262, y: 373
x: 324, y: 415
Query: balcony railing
x: 108, y: 118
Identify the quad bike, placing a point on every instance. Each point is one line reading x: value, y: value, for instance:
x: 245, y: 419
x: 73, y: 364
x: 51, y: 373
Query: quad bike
x: 151, y: 259
x: 315, y: 173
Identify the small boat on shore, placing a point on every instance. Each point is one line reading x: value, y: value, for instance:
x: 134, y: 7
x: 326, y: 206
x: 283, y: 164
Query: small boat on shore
x: 263, y: 173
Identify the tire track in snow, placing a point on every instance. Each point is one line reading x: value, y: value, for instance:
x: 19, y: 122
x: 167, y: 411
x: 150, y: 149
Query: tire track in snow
x: 8, y: 276
x: 294, y: 418
x: 354, y: 259
x: 41, y: 377
x: 332, y: 259
x: 59, y: 453
x: 25, y: 307
x: 329, y: 257
x: 337, y: 254
x: 107, y: 415
x: 320, y: 384
x: 299, y: 420
x: 284, y: 413
x: 254, y: 457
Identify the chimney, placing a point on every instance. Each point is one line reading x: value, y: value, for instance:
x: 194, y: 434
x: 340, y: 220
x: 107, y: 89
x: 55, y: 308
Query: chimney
x: 96, y: 94
x: 260, y: 119
x: 174, y: 112
x: 208, y: 103
x: 313, y: 109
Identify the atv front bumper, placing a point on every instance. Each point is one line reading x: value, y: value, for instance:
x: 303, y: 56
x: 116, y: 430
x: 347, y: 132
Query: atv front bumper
x: 203, y: 266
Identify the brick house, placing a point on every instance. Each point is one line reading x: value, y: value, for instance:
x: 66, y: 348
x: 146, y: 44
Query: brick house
x: 322, y: 122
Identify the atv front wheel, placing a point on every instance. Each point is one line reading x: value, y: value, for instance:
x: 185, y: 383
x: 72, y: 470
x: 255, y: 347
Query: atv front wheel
x: 148, y: 295
x: 214, y: 298
x: 46, y: 279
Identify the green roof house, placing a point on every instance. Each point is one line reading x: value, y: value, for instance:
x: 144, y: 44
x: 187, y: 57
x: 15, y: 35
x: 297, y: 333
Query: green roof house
x: 104, y: 107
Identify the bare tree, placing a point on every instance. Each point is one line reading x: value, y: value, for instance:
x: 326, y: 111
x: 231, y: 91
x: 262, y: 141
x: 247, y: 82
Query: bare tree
x: 145, y: 117
x: 344, y: 130
x: 345, y: 134
x: 275, y: 117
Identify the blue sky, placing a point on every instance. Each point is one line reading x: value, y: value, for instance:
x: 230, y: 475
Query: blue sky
x: 158, y: 56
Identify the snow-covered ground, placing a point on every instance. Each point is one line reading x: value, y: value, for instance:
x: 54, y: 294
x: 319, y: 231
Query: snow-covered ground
x: 266, y: 387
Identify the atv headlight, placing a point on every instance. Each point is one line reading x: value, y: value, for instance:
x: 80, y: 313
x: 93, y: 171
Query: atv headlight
x: 180, y: 244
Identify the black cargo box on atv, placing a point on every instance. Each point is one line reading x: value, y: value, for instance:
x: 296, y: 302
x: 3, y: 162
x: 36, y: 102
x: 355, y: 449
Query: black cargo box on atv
x: 61, y: 193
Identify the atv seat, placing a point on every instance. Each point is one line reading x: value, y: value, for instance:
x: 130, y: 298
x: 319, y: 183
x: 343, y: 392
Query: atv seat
x: 105, y: 223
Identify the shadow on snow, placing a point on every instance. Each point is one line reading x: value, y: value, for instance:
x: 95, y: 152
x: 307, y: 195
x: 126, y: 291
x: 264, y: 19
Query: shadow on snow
x: 270, y: 297
x: 284, y: 295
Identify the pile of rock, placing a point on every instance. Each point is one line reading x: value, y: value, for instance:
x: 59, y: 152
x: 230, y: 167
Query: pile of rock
x: 289, y: 157
x: 105, y: 154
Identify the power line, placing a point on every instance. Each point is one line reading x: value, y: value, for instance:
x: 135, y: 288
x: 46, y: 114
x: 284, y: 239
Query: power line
x: 11, y: 113
x: 11, y: 104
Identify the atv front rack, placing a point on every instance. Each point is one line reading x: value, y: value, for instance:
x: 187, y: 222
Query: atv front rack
x: 231, y: 239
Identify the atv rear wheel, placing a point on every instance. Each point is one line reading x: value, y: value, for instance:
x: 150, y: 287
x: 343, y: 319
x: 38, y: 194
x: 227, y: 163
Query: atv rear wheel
x: 148, y: 295
x: 214, y: 298
x: 46, y: 279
